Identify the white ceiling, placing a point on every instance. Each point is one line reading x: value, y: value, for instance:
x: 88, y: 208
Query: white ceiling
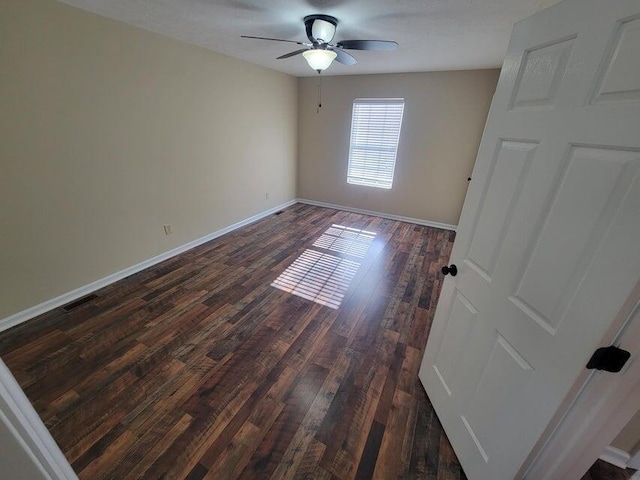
x: 433, y: 34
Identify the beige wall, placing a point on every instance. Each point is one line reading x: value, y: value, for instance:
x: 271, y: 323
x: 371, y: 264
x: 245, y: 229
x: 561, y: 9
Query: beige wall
x: 444, y: 117
x: 629, y: 438
x: 107, y: 132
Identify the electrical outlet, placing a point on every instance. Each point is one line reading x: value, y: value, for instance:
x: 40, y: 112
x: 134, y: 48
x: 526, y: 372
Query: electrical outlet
x: 266, y: 196
x: 167, y: 230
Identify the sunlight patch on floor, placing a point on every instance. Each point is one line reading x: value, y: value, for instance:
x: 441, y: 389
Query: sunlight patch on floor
x: 319, y: 277
x: 324, y: 278
x: 349, y: 241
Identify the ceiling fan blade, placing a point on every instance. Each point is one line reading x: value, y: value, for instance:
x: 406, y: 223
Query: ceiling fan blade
x: 383, y: 45
x: 345, y: 58
x: 273, y: 39
x: 291, y: 54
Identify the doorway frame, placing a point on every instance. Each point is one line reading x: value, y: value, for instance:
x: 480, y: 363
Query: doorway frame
x: 27, y: 428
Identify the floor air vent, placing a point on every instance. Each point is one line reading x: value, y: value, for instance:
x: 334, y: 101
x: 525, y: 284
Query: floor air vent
x: 81, y: 301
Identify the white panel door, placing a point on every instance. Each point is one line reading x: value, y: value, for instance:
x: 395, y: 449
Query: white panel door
x: 548, y: 246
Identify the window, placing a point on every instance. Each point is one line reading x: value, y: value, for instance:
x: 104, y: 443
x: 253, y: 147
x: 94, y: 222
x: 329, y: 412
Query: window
x: 375, y: 131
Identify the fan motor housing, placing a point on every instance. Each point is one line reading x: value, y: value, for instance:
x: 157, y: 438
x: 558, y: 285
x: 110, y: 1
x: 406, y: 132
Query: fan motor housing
x: 320, y: 28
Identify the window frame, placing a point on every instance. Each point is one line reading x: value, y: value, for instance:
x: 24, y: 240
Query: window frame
x: 386, y: 182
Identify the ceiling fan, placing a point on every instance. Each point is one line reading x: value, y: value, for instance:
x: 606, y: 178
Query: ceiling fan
x: 321, y: 52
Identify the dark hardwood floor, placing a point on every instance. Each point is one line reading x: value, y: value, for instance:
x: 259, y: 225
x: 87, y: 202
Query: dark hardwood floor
x: 199, y: 367
x: 605, y: 471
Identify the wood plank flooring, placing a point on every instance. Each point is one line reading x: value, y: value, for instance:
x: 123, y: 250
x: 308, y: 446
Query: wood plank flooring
x: 198, y: 368
x: 605, y: 471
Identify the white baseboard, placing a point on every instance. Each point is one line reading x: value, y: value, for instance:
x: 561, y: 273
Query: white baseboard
x: 29, y: 313
x: 65, y: 298
x: 390, y: 216
x: 615, y: 456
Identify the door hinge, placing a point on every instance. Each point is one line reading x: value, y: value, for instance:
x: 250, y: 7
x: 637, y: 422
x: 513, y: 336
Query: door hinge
x: 609, y: 359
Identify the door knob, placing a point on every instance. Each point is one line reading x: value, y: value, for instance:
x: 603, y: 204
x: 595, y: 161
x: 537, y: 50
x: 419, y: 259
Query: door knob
x: 453, y: 270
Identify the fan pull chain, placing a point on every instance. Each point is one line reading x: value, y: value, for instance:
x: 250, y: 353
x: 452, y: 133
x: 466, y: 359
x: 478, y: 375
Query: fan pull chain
x: 319, y: 92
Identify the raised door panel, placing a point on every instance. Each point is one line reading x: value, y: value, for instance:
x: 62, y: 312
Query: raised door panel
x: 462, y: 319
x: 541, y: 72
x: 494, y: 405
x: 589, y: 193
x: 619, y: 79
x: 509, y: 169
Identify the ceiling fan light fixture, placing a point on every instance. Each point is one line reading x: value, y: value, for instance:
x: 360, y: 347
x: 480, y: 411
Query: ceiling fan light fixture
x: 319, y: 59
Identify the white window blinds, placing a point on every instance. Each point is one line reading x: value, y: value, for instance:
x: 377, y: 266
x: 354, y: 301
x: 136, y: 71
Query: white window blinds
x: 375, y: 131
